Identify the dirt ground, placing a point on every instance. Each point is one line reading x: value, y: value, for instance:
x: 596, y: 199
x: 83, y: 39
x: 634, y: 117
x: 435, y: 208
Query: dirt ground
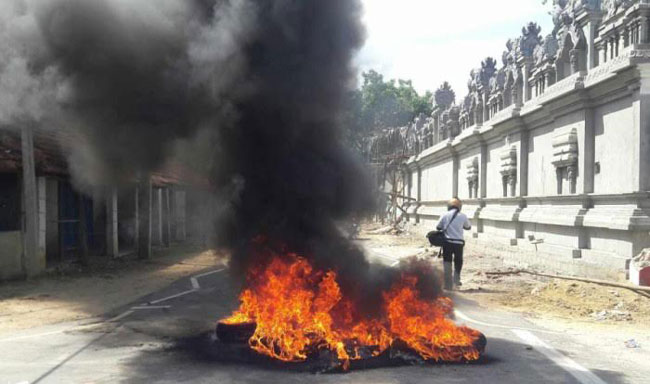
x: 544, y: 299
x: 76, y: 293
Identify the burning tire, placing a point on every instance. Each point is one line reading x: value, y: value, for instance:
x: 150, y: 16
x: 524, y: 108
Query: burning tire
x: 235, y: 333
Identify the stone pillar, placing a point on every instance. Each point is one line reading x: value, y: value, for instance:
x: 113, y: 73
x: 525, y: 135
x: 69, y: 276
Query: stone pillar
x: 602, y: 53
x: 486, y: 107
x: 456, y: 167
x: 522, y: 163
x: 30, y: 263
x: 143, y: 205
x: 526, y: 70
x: 156, y: 217
x: 589, y: 152
x: 643, y: 30
x: 591, y: 32
x: 112, y: 246
x: 642, y: 128
x: 483, y: 174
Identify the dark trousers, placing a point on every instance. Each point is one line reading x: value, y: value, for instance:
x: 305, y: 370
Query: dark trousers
x: 453, y: 252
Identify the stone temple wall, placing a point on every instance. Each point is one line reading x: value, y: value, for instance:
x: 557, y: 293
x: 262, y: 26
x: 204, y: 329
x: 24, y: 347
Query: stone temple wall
x: 550, y: 150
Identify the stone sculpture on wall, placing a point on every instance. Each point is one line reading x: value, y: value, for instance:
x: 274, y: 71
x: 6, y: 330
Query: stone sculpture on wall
x: 565, y: 159
x: 444, y: 97
x: 473, y: 178
x: 611, y: 7
x: 509, y: 169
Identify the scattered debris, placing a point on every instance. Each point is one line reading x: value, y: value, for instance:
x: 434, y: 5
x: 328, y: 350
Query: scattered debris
x: 381, y: 231
x: 640, y: 290
x: 614, y: 315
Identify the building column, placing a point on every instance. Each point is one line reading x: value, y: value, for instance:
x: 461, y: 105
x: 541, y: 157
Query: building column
x: 52, y: 248
x: 589, y: 155
x: 83, y: 230
x: 522, y: 164
x: 156, y: 217
x: 591, y: 32
x: 30, y: 263
x: 41, y: 183
x: 166, y: 217
x: 483, y: 171
x: 642, y: 128
x: 143, y: 205
x: 179, y: 215
x: 112, y: 245
x: 454, y: 178
x: 526, y: 65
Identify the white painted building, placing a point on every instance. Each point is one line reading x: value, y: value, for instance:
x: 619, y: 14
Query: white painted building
x: 550, y: 151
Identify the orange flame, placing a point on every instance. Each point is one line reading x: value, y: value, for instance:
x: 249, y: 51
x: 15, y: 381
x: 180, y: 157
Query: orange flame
x: 299, y: 310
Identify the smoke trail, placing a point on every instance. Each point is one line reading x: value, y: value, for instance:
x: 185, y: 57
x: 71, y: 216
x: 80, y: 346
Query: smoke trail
x: 261, y: 82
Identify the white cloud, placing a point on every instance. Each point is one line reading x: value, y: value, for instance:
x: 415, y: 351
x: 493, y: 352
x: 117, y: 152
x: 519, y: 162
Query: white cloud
x: 430, y: 41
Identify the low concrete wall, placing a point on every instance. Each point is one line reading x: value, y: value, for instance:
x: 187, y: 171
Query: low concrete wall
x: 539, y: 257
x: 11, y: 249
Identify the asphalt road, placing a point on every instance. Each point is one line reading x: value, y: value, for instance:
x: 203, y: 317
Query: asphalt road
x: 147, y: 342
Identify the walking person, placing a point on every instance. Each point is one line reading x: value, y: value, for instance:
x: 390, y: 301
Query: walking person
x: 453, y: 223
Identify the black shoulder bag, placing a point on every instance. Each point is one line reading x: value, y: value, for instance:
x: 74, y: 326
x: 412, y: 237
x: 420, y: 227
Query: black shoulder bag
x: 437, y: 238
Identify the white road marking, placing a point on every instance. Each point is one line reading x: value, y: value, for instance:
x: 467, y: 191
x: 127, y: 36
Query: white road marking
x: 582, y: 374
x: 119, y: 317
x: 209, y: 273
x: 145, y: 307
x: 31, y: 336
x: 463, y: 316
x: 395, y: 264
x: 195, y: 279
x: 173, y: 296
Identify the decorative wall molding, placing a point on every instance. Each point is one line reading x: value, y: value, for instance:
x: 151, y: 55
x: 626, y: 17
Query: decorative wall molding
x: 509, y: 169
x: 473, y: 178
x: 565, y: 159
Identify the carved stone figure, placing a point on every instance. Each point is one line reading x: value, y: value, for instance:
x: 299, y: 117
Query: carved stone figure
x: 547, y: 51
x: 473, y: 178
x: 444, y: 96
x: 529, y: 40
x: 509, y: 168
x: 611, y: 7
x: 488, y: 69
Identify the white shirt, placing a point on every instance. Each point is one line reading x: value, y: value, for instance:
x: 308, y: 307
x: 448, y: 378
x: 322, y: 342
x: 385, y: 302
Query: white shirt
x: 454, y: 232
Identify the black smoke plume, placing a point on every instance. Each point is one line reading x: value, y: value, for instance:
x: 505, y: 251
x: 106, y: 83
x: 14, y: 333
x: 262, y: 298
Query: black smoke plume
x: 256, y: 85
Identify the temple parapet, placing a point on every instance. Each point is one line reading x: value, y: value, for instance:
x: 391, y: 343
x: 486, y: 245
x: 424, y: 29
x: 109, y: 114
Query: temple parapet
x: 550, y: 146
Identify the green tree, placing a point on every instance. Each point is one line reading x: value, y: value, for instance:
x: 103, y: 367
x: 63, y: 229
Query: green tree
x: 380, y: 104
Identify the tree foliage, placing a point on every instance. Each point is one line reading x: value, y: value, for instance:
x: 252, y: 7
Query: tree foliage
x: 380, y: 104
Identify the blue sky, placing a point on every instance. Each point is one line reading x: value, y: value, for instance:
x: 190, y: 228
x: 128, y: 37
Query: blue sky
x: 430, y: 41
